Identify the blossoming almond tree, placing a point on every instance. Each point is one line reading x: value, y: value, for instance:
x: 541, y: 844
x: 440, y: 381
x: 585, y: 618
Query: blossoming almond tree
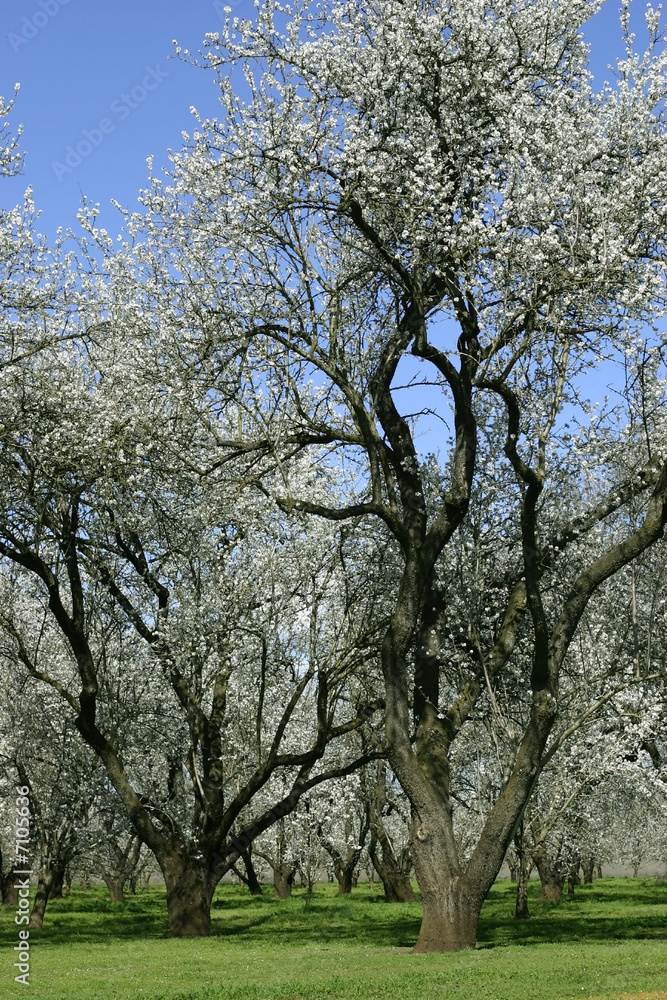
x: 203, y: 647
x: 438, y: 182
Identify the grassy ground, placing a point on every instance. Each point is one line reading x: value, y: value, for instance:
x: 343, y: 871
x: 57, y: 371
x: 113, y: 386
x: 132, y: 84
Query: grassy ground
x: 609, y: 941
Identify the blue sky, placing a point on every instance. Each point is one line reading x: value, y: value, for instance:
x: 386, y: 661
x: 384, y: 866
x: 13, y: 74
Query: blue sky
x: 86, y: 63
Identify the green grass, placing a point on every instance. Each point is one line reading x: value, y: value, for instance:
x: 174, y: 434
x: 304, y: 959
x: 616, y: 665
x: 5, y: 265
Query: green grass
x: 609, y: 941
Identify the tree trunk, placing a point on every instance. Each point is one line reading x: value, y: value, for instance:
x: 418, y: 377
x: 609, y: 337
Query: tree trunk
x: 10, y: 894
x: 58, y: 879
x: 41, y: 899
x: 552, y: 877
x: 397, y: 888
x: 573, y: 879
x: 451, y: 902
x: 395, y: 882
x: 115, y: 885
x: 588, y: 868
x: 189, y: 894
x: 345, y: 878
x: 552, y: 889
x: 449, y: 918
x: 283, y: 879
x: 521, y: 911
x: 251, y: 879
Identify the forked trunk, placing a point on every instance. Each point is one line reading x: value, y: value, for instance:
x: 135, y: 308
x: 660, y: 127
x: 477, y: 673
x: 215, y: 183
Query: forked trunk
x: 345, y: 881
x: 189, y: 894
x: 395, y: 882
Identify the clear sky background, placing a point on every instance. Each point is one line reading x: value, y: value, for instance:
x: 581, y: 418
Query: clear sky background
x: 81, y: 62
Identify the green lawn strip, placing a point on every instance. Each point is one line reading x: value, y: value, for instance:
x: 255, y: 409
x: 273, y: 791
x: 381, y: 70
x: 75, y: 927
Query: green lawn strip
x: 216, y: 970
x: 610, y: 940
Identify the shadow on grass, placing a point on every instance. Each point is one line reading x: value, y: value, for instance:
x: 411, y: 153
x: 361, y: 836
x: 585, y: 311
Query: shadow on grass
x: 612, y: 909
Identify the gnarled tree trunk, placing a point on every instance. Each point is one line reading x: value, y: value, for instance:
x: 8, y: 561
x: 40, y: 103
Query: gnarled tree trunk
x: 451, y: 901
x: 189, y: 895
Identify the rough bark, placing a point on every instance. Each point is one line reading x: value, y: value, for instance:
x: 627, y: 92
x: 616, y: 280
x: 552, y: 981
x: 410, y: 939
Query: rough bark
x: 449, y: 919
x: 397, y: 886
x: 189, y: 894
x: 451, y: 902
